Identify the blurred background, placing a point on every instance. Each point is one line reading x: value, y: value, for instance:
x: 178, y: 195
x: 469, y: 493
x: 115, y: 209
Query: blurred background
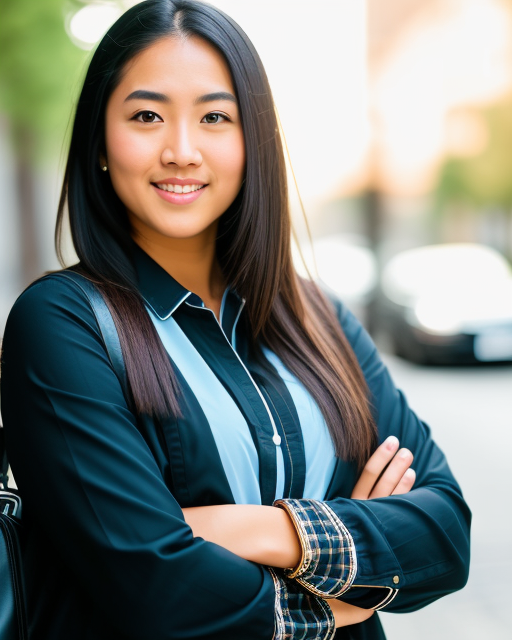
x: 398, y: 120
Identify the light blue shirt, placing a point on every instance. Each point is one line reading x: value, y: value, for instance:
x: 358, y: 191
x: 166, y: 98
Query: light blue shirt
x: 229, y: 427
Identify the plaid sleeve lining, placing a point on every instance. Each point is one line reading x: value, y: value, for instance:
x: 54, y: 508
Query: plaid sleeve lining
x: 329, y: 561
x: 300, y: 615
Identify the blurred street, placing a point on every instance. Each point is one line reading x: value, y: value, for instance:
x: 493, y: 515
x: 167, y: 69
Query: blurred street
x: 469, y: 412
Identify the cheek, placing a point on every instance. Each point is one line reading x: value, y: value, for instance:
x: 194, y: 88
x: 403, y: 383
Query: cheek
x: 127, y: 154
x: 230, y: 160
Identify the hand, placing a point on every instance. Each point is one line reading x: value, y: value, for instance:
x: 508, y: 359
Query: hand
x: 346, y: 614
x: 387, y: 473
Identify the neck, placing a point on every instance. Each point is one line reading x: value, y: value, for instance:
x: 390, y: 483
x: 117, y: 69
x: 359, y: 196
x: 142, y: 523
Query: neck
x: 190, y: 261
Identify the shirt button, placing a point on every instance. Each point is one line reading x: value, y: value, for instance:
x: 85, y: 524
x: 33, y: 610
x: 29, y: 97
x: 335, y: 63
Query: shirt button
x: 396, y: 579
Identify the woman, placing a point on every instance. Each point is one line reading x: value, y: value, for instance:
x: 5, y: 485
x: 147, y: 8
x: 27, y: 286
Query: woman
x: 154, y: 517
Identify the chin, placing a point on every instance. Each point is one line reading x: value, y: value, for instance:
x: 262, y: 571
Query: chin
x: 183, y: 232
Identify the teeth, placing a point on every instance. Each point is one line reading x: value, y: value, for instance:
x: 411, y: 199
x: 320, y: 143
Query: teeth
x: 177, y: 188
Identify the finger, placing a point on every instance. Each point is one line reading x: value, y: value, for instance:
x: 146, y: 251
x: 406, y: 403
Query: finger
x: 406, y: 483
x: 392, y: 475
x: 374, y: 467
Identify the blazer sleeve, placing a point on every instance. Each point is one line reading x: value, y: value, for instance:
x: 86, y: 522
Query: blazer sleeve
x: 77, y: 453
x: 413, y: 548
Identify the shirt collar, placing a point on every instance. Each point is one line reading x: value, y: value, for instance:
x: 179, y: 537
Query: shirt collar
x: 161, y: 292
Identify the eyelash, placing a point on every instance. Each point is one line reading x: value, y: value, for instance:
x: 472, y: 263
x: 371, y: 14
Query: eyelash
x: 137, y: 116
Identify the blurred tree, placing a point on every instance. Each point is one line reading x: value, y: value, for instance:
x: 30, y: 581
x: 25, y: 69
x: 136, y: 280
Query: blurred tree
x: 484, y: 179
x: 39, y: 76
x: 483, y: 182
x: 39, y: 70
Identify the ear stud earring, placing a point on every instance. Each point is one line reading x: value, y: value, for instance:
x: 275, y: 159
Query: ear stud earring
x: 104, y: 168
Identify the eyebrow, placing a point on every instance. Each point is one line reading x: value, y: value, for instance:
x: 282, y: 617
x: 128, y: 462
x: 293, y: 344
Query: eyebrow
x: 143, y: 94
x: 212, y: 97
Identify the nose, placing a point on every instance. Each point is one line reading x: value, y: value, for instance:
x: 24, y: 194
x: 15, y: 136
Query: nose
x: 180, y: 148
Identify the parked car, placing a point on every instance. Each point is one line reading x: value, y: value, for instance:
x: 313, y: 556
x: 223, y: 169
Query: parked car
x: 449, y: 303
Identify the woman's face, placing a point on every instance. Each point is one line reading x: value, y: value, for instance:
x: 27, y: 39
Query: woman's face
x: 174, y: 144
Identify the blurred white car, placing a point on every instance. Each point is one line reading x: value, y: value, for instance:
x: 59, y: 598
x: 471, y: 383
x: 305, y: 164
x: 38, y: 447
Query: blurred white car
x: 343, y: 264
x: 449, y: 303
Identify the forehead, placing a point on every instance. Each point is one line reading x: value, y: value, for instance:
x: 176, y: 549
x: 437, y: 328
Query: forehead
x: 186, y: 65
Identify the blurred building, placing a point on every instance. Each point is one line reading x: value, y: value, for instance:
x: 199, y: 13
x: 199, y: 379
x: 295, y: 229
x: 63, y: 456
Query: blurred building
x: 434, y: 68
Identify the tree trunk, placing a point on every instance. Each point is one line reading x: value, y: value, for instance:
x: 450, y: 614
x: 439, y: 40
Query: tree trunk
x: 25, y: 185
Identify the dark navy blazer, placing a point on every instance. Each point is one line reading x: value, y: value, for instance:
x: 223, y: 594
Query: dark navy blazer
x: 109, y: 555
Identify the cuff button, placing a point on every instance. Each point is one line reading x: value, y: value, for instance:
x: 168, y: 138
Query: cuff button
x: 396, y: 579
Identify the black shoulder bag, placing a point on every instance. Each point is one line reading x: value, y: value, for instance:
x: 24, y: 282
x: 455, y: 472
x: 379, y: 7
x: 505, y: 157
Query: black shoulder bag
x: 13, y: 615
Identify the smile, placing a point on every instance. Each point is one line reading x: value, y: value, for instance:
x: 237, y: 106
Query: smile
x: 178, y: 188
x: 179, y: 194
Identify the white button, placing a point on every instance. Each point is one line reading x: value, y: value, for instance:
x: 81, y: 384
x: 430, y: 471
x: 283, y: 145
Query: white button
x: 277, y: 439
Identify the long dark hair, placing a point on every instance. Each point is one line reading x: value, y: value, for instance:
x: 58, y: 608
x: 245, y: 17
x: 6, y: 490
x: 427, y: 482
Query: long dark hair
x: 291, y: 316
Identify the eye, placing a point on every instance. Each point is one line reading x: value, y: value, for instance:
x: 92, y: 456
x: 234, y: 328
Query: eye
x: 215, y: 118
x: 147, y: 116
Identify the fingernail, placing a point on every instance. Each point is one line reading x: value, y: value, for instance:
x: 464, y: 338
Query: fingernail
x: 391, y: 442
x: 404, y: 453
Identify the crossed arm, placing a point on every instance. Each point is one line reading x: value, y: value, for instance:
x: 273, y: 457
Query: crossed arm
x: 266, y: 535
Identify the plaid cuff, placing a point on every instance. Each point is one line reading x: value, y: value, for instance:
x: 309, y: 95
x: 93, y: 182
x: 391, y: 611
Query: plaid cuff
x: 298, y: 614
x: 329, y: 561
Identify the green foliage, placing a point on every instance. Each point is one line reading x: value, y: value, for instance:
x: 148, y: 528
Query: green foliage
x: 485, y: 179
x: 40, y: 70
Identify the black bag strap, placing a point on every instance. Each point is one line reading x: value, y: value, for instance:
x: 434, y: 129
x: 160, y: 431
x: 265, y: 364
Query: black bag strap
x: 105, y: 323
x: 110, y: 338
x: 4, y: 463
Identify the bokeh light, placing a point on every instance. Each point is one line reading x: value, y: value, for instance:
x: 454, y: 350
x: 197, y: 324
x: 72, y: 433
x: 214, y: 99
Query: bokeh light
x: 88, y: 24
